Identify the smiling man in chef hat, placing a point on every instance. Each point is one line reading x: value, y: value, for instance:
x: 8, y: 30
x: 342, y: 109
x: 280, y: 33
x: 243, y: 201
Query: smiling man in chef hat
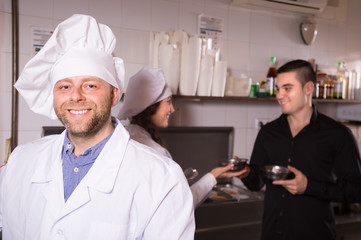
x: 91, y: 181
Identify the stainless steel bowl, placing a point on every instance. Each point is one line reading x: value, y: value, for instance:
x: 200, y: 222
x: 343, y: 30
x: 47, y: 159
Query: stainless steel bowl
x: 238, y: 163
x: 190, y: 173
x: 275, y: 172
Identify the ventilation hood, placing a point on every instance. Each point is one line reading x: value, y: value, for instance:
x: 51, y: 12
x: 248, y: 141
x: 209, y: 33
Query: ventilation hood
x: 304, y: 7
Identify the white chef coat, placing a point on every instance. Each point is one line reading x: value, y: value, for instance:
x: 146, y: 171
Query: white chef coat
x: 200, y: 189
x: 129, y: 193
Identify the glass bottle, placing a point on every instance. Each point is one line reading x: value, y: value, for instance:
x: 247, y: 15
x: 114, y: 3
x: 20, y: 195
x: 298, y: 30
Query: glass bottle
x: 322, y: 83
x: 329, y: 88
x: 341, y: 83
x: 353, y: 85
x: 271, y: 79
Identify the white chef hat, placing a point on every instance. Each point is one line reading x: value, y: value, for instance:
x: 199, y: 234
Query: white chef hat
x: 79, y: 46
x: 146, y: 87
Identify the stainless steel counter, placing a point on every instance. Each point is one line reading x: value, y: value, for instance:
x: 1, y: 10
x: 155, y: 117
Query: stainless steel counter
x: 222, y: 218
x: 238, y: 216
x: 229, y: 220
x: 348, y: 226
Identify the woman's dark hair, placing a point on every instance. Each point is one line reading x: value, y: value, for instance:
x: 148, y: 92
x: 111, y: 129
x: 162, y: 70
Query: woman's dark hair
x: 144, y: 120
x: 302, y: 68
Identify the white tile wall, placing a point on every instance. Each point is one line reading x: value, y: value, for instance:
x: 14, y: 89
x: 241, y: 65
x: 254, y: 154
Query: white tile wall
x: 5, y: 6
x: 165, y: 15
x: 237, y: 55
x: 250, y: 38
x: 137, y: 14
x: 5, y: 26
x: 241, y: 30
x: 113, y: 8
x: 65, y: 8
x: 261, y: 28
x: 5, y: 106
x: 134, y: 46
x: 5, y: 74
x: 38, y: 8
x: 236, y: 115
x: 189, y: 12
x: 353, y: 13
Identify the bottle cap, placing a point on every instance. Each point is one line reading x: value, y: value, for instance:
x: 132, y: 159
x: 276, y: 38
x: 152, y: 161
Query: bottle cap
x: 273, y: 59
x: 321, y: 74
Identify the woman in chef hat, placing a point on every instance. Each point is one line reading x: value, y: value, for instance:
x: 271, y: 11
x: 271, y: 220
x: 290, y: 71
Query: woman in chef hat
x: 147, y: 105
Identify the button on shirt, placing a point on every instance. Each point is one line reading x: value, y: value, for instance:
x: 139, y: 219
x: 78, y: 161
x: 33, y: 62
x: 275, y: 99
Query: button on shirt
x: 326, y: 152
x: 75, y: 168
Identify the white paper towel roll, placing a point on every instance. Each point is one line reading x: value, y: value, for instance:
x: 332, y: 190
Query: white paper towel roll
x: 178, y: 40
x: 159, y: 38
x: 174, y: 67
x: 190, y: 66
x: 219, y: 78
x: 179, y: 37
x: 206, y: 75
x: 169, y: 62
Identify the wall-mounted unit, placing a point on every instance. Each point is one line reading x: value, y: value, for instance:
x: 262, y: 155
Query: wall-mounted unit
x: 304, y: 7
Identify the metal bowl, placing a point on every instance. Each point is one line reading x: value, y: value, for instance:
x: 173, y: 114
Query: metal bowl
x: 275, y: 172
x: 238, y: 163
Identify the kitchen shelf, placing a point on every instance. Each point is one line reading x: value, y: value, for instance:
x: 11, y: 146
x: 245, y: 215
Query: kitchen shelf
x: 269, y: 99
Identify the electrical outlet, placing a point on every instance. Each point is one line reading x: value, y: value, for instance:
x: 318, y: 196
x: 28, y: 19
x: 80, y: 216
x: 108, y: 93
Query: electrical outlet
x: 259, y: 122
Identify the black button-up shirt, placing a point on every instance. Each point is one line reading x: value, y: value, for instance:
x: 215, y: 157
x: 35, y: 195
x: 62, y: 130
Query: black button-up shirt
x: 327, y: 153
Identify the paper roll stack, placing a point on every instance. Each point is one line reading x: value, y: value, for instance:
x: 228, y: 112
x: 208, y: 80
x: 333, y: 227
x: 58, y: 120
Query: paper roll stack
x: 206, y: 75
x: 159, y: 38
x: 168, y: 60
x: 219, y: 78
x: 173, y: 74
x: 190, y: 66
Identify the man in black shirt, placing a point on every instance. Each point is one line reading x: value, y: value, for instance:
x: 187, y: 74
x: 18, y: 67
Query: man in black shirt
x: 321, y: 154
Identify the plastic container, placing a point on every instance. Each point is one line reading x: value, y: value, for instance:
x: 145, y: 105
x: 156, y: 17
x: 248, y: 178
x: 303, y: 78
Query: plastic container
x: 254, y: 91
x: 238, y: 86
x: 262, y: 91
x: 242, y: 86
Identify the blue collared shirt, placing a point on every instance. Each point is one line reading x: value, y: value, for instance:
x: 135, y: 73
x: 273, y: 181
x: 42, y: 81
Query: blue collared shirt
x: 75, y: 168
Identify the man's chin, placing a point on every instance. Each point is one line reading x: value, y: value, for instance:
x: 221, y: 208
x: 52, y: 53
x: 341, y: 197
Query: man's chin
x: 284, y: 110
x: 79, y: 129
x: 78, y: 132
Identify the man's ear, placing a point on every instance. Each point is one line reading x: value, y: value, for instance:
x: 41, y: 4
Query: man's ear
x: 115, y: 94
x: 309, y: 86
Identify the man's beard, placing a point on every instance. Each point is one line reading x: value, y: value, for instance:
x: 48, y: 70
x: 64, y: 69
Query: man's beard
x: 89, y: 128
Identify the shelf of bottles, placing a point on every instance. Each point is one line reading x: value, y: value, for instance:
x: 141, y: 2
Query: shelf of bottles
x: 344, y: 87
x: 256, y: 99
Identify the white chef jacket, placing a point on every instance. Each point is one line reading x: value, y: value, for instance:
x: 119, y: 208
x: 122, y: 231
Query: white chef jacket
x: 200, y: 189
x: 129, y: 193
